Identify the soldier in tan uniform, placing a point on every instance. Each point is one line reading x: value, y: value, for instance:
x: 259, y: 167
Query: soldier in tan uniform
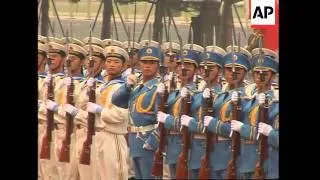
x: 111, y: 124
x: 85, y: 172
x: 42, y: 57
x: 57, y: 54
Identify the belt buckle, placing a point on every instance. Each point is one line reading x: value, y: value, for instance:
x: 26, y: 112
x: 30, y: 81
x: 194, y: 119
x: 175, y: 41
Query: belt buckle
x: 140, y: 130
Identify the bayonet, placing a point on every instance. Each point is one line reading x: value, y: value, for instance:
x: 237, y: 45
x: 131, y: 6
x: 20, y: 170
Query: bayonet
x: 71, y: 32
x: 214, y: 36
x: 91, y: 61
x: 191, y: 37
x: 234, y: 75
x: 261, y: 59
x: 239, y: 43
x: 149, y: 35
x: 111, y: 34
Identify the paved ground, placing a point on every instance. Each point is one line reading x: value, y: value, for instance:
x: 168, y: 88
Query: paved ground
x: 80, y: 28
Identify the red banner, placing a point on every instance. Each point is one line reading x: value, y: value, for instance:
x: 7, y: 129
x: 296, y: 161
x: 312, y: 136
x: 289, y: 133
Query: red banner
x: 270, y: 33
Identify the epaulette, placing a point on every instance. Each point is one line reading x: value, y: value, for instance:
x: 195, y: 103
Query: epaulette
x: 58, y: 75
x: 274, y: 86
x: 78, y: 78
x: 99, y: 81
x: 41, y: 76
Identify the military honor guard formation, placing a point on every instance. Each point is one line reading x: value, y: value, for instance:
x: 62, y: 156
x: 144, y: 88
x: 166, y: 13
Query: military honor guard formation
x: 111, y: 110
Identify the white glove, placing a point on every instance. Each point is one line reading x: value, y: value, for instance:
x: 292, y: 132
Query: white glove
x: 48, y: 79
x: 184, y: 92
x: 51, y: 105
x: 131, y: 79
x: 170, y: 76
x: 236, y: 125
x: 264, y: 129
x: 206, y: 93
x: 185, y: 119
x: 70, y: 109
x: 160, y: 88
x: 94, y: 108
x: 262, y: 98
x: 147, y: 146
x: 67, y: 81
x: 207, y: 120
x: 234, y: 96
x: 90, y: 82
x: 161, y: 117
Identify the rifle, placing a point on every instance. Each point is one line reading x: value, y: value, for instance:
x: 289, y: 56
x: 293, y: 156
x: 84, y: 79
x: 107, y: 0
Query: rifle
x: 171, y: 56
x: 263, y: 117
x: 182, y: 163
x: 130, y: 51
x: 236, y: 110
x: 86, y: 149
x: 205, y: 168
x: 65, y: 149
x: 47, y: 139
x: 157, y: 167
x: 263, y: 143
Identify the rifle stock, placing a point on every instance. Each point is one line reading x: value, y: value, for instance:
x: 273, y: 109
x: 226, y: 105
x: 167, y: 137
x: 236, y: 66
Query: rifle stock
x: 47, y: 139
x: 86, y: 148
x: 65, y: 149
x: 182, y: 163
x: 235, y: 147
x: 157, y: 167
x: 205, y: 167
x: 263, y: 144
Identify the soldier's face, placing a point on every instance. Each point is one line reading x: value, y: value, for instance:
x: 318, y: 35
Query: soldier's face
x: 268, y: 77
x: 190, y: 68
x: 113, y: 65
x: 76, y: 63
x: 214, y: 72
x: 41, y: 59
x: 149, y: 68
x: 56, y: 60
x: 241, y: 72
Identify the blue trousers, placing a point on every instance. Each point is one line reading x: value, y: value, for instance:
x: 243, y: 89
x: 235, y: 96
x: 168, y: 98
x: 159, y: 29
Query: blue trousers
x: 143, y: 165
x: 247, y: 175
x: 220, y: 174
x: 194, y: 173
x: 172, y: 168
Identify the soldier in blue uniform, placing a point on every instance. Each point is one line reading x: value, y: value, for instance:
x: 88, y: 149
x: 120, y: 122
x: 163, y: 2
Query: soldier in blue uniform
x: 142, y: 108
x: 171, y: 121
x: 213, y: 59
x: 266, y: 66
x: 273, y: 140
x: 239, y: 61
